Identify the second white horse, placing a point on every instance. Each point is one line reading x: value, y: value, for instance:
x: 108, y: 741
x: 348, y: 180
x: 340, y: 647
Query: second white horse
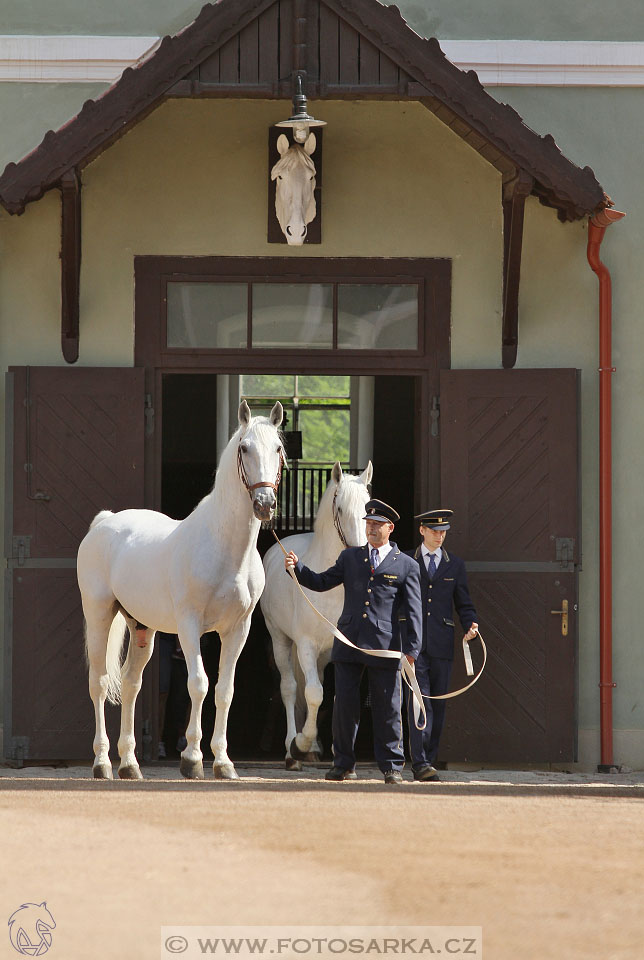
x: 339, y: 523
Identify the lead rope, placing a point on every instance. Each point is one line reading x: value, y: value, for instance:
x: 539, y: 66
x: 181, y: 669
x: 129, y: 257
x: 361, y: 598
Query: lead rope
x: 408, y: 671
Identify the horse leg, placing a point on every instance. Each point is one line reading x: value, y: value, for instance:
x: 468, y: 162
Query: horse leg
x: 315, y: 753
x: 282, y: 649
x: 313, y: 692
x: 97, y: 627
x: 191, y: 765
x: 139, y: 652
x: 231, y: 646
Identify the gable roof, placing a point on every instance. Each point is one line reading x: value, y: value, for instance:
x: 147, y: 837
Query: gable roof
x: 354, y: 49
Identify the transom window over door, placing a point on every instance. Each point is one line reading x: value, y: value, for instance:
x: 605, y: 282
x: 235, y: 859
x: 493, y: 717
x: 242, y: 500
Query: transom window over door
x: 282, y: 315
x: 301, y: 316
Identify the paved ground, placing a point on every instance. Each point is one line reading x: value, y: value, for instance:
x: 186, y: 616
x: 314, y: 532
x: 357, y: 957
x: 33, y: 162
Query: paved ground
x: 550, y: 865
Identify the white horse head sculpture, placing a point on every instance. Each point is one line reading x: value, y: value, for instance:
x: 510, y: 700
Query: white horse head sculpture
x: 294, y: 174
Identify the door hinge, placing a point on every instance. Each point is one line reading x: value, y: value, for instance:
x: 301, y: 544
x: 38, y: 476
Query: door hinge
x: 565, y: 549
x: 149, y: 415
x: 21, y: 549
x: 19, y: 751
x: 434, y: 414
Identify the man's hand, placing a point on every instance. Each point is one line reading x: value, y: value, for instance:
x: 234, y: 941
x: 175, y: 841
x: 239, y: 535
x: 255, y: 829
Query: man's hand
x: 410, y: 659
x: 471, y: 633
x: 290, y: 560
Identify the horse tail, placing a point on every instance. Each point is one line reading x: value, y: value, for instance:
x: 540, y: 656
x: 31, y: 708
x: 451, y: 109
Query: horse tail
x: 113, y: 657
x: 99, y: 517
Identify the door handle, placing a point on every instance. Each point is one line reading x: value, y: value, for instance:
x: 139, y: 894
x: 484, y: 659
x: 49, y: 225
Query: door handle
x: 564, y: 617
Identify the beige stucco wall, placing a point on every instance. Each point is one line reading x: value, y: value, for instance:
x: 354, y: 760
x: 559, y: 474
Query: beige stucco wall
x: 191, y: 180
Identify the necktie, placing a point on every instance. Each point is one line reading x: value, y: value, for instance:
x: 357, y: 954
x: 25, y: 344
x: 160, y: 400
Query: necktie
x: 375, y: 558
x: 431, y: 566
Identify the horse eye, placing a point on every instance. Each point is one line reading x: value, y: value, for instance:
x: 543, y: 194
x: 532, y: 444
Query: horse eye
x: 279, y: 177
x: 244, y: 448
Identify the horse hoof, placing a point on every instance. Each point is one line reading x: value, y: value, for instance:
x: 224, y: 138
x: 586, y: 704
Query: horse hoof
x: 191, y: 769
x: 103, y: 771
x: 292, y: 764
x: 295, y: 751
x: 130, y: 772
x: 224, y: 771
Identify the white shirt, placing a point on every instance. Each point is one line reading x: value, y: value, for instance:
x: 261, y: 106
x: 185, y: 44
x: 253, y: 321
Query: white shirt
x: 382, y: 551
x: 438, y: 554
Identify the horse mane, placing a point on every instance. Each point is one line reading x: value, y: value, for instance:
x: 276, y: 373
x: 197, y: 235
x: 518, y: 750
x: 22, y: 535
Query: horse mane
x: 351, y: 486
x: 294, y: 156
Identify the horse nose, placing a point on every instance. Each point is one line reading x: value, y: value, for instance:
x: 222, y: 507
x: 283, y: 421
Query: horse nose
x: 304, y: 229
x: 264, y: 504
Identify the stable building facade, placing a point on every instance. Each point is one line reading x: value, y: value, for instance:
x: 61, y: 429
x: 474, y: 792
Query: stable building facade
x: 156, y: 197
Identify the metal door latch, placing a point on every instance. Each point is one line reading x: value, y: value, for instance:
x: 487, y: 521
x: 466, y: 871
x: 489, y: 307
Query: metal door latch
x: 564, y: 617
x: 565, y: 550
x: 21, y: 549
x: 434, y: 414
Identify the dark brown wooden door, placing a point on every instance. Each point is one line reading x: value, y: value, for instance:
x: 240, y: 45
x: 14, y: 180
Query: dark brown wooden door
x: 74, y: 447
x: 509, y: 450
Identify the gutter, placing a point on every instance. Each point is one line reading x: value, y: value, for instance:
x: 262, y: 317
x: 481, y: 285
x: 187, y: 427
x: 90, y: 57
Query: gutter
x: 596, y: 229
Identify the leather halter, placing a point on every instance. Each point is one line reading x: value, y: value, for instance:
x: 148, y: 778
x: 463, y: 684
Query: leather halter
x: 336, y: 519
x: 243, y: 476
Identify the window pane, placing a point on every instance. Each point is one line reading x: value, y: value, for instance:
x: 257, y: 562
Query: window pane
x: 378, y: 316
x: 325, y: 435
x: 207, y: 314
x: 324, y: 386
x: 268, y: 385
x: 293, y: 315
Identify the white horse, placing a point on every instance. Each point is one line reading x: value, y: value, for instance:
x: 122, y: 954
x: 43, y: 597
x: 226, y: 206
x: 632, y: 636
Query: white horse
x: 339, y: 523
x: 294, y: 190
x: 187, y: 577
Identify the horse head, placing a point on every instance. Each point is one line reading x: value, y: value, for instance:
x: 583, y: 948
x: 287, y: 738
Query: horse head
x: 260, y: 458
x: 349, y: 499
x: 294, y: 174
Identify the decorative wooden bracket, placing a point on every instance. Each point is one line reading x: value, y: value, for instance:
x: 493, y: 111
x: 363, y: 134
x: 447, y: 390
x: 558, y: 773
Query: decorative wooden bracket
x: 70, y: 261
x: 515, y: 192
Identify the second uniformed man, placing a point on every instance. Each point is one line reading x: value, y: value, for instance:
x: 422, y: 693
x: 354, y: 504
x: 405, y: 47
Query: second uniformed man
x: 443, y: 583
x: 379, y: 582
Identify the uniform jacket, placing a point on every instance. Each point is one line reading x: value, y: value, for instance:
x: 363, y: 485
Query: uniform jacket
x: 374, y: 602
x: 448, y: 590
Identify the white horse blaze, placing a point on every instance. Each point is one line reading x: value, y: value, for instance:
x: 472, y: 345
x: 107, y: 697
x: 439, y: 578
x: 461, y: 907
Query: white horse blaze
x: 294, y: 174
x: 294, y: 627
x: 186, y: 577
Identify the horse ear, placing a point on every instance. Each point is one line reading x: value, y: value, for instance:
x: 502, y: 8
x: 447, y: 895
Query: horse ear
x: 277, y: 412
x: 310, y: 144
x: 337, y: 471
x: 282, y: 144
x: 367, y: 474
x: 244, y: 414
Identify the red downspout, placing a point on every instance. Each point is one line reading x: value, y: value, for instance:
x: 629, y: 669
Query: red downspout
x: 596, y: 229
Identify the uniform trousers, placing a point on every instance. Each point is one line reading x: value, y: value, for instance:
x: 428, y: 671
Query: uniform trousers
x: 385, y: 692
x: 433, y: 674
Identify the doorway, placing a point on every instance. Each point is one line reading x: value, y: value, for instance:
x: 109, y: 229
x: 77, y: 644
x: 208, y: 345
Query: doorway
x: 203, y: 324
x: 196, y: 414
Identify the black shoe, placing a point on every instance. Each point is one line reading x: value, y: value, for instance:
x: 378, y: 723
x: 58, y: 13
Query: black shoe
x: 337, y: 773
x: 393, y: 776
x: 426, y: 773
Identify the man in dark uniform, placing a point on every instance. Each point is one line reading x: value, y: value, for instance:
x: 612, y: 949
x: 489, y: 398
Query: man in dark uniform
x: 443, y: 584
x: 380, y: 583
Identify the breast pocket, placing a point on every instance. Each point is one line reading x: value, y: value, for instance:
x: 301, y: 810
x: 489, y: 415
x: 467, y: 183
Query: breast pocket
x: 345, y: 618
